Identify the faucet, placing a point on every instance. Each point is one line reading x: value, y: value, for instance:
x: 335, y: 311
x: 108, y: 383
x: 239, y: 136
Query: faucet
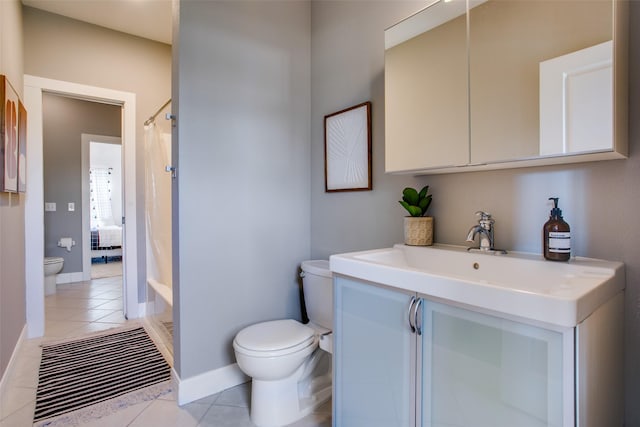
x: 484, y: 229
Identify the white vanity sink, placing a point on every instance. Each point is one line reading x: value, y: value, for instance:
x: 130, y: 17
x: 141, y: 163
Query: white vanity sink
x: 523, y: 285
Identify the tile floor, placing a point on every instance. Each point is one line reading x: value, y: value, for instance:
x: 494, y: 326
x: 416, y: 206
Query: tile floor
x: 81, y: 308
x: 108, y: 269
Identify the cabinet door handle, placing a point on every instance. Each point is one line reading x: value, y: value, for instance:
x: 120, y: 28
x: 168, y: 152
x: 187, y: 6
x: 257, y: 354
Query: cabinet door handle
x: 416, y: 318
x: 410, y: 312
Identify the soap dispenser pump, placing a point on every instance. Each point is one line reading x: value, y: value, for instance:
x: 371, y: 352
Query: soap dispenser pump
x: 556, y: 235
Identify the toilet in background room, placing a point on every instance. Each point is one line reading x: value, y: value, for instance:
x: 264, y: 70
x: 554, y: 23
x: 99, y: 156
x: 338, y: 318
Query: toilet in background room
x: 290, y: 362
x: 52, y: 266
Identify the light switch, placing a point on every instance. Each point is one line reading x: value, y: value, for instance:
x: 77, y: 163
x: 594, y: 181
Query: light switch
x: 72, y: 207
x: 49, y: 207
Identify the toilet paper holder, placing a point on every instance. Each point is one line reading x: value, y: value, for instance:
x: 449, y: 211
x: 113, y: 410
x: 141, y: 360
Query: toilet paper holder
x: 67, y: 243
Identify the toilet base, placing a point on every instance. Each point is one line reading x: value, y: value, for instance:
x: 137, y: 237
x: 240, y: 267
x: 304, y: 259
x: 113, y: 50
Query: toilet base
x: 50, y: 284
x: 278, y: 403
x: 282, y: 402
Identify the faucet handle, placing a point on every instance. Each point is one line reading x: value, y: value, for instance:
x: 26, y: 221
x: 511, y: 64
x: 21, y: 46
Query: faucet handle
x: 484, y: 216
x: 485, y: 220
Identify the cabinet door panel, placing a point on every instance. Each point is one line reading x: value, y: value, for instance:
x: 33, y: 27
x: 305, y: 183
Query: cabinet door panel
x: 374, y: 357
x: 480, y: 370
x: 426, y: 97
x: 509, y: 39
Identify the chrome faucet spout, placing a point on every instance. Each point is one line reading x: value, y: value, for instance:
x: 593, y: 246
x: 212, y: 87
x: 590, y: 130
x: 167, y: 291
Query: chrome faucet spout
x: 471, y: 236
x: 484, y: 229
x: 486, y: 237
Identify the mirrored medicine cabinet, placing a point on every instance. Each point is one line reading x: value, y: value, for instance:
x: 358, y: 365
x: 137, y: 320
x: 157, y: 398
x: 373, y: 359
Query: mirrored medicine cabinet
x: 491, y: 84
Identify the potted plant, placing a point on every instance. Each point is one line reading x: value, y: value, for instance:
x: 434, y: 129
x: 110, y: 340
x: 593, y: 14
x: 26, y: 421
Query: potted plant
x: 418, y: 228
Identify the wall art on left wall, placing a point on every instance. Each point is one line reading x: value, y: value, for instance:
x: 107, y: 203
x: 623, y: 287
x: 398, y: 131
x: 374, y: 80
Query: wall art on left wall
x: 22, y: 148
x: 9, y: 127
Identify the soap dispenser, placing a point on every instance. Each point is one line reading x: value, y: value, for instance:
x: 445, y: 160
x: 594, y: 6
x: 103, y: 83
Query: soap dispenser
x: 556, y: 235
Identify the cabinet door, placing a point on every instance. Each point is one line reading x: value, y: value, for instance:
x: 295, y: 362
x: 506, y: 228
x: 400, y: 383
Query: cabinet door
x: 516, y: 112
x: 374, y: 357
x: 485, y: 371
x: 426, y: 93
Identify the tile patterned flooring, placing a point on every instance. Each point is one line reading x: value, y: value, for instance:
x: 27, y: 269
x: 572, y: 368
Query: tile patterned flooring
x: 81, y: 308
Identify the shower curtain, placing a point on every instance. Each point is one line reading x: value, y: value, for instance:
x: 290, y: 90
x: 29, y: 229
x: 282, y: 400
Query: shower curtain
x: 158, y: 203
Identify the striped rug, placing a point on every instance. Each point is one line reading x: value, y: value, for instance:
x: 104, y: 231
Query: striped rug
x: 81, y: 373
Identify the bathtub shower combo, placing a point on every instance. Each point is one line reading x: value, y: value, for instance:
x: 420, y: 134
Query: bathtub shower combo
x: 158, y: 176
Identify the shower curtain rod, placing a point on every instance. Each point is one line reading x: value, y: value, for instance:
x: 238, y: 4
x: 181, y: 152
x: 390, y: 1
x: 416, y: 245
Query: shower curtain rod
x: 153, y: 117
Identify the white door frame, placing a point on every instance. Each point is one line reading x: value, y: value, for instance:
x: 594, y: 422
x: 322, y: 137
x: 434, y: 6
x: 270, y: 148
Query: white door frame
x: 34, y: 200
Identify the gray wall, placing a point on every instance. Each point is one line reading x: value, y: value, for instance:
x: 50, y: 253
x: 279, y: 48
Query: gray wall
x: 12, y: 278
x: 243, y: 172
x: 599, y: 200
x: 65, y: 49
x: 65, y: 120
x: 347, y: 57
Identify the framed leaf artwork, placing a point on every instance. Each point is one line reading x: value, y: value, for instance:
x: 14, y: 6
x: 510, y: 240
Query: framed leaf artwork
x: 347, y: 149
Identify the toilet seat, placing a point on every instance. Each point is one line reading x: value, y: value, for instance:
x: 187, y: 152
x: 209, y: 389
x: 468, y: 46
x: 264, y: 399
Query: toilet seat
x: 275, y: 338
x: 53, y: 260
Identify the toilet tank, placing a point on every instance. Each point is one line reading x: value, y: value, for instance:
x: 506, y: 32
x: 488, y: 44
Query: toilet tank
x: 317, y: 285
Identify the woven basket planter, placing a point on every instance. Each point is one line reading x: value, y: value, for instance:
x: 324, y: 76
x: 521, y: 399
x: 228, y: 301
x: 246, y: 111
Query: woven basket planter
x: 418, y: 230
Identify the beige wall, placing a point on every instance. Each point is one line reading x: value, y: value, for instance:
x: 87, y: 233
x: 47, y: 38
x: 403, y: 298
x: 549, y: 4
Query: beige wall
x: 64, y: 49
x: 600, y: 200
x: 12, y: 278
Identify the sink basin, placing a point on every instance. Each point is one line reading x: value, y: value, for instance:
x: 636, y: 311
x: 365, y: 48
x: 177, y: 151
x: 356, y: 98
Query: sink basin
x: 519, y: 284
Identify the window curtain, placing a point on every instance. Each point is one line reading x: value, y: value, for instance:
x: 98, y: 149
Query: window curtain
x: 100, y: 197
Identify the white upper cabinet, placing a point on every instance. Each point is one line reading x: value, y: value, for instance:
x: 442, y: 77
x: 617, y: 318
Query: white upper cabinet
x: 426, y: 96
x: 505, y: 84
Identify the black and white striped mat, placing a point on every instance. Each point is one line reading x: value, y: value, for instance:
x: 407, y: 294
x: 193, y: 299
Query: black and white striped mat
x: 77, y: 374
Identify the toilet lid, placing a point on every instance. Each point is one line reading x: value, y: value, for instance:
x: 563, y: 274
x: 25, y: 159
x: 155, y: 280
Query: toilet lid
x: 277, y: 335
x: 53, y: 260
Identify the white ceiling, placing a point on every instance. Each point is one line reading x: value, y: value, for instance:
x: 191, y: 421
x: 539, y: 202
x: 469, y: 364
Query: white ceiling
x: 150, y: 19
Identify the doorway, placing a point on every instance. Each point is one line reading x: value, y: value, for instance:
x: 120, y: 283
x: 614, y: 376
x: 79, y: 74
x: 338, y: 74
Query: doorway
x: 102, y: 188
x: 34, y: 203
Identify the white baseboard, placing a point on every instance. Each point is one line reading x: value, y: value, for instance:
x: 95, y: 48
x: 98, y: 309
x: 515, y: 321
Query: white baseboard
x: 4, y: 382
x: 142, y: 309
x: 74, y: 277
x: 206, y: 384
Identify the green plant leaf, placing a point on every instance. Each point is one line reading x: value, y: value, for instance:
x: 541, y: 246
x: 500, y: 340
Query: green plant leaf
x: 424, y: 204
x: 423, y: 192
x: 413, y: 210
x: 410, y: 195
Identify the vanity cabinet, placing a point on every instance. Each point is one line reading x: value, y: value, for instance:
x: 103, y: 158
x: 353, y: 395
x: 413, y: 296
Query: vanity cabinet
x: 490, y: 84
x: 403, y: 359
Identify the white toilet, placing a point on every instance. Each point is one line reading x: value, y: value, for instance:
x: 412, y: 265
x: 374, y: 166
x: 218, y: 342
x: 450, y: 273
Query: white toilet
x: 52, y: 266
x: 289, y: 362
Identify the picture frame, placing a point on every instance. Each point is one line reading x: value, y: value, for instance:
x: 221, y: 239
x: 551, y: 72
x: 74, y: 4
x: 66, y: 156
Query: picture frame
x: 347, y: 149
x: 22, y: 148
x: 9, y: 136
